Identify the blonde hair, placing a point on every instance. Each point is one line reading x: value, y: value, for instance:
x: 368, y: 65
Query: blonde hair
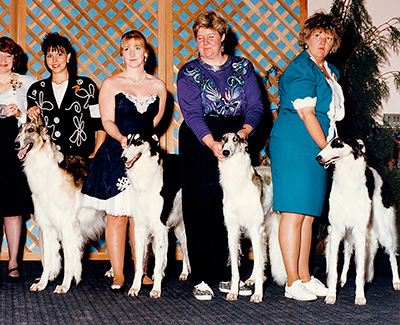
x: 211, y: 19
x: 137, y: 37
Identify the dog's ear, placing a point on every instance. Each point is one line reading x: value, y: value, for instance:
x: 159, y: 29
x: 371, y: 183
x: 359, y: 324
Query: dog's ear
x: 245, y: 144
x: 155, y: 137
x: 358, y: 148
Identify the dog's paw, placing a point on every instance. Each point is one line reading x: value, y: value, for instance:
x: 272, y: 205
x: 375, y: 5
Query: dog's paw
x: 109, y: 273
x: 155, y: 294
x: 360, y: 301
x: 330, y: 300
x: 256, y: 298
x: 60, y: 289
x: 133, y: 292
x: 396, y: 286
x: 231, y: 296
x: 36, y: 287
x: 183, y: 277
x: 249, y: 282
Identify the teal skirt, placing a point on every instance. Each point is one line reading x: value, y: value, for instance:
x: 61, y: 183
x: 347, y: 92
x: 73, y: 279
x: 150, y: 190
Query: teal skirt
x: 299, y: 181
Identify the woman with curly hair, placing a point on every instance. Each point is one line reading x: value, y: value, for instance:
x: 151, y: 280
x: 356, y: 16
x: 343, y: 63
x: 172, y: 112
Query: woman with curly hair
x: 311, y: 100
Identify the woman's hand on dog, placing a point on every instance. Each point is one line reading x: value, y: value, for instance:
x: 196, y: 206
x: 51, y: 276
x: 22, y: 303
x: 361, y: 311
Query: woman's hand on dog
x: 215, y: 146
x: 34, y: 113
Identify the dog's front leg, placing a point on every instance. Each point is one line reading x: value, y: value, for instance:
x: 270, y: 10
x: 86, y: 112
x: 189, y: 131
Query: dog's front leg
x: 72, y: 243
x: 233, y: 241
x: 51, y: 259
x: 332, y: 250
x: 360, y: 248
x: 259, y: 262
x: 160, y: 245
x: 140, y: 253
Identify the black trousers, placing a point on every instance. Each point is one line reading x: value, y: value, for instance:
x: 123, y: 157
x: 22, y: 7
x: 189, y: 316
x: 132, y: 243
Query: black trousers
x: 202, y: 202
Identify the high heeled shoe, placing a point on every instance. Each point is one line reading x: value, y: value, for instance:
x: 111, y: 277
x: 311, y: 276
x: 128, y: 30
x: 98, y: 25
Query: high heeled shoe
x: 13, y: 279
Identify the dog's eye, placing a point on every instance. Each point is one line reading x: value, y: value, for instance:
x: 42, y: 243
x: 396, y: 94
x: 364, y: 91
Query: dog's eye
x: 223, y: 138
x: 235, y: 139
x: 31, y: 129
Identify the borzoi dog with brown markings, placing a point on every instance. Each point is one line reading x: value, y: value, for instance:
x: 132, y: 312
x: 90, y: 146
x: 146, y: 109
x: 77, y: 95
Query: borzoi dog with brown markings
x: 153, y: 200
x: 361, y: 212
x: 57, y: 199
x: 247, y: 207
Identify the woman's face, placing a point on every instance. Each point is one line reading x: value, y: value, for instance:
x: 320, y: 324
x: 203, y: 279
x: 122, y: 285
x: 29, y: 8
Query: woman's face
x: 6, y: 62
x: 209, y: 42
x: 133, y: 53
x: 319, y: 44
x: 57, y: 60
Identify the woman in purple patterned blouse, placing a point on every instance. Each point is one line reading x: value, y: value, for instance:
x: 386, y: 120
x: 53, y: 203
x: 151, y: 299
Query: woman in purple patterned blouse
x: 217, y: 93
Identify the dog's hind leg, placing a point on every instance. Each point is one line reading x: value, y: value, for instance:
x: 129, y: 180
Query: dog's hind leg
x: 180, y: 234
x: 348, y: 252
x: 389, y: 242
x: 51, y: 259
x: 72, y: 242
x: 233, y: 242
x: 360, y: 254
x: 160, y: 246
x: 372, y: 246
x: 332, y: 249
x: 141, y: 241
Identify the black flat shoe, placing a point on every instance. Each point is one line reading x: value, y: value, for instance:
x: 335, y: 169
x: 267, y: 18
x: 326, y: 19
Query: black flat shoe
x: 13, y: 279
x: 115, y: 288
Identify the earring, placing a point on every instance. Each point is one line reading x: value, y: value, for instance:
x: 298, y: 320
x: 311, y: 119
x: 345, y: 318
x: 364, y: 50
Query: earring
x: 222, y: 47
x: 145, y: 59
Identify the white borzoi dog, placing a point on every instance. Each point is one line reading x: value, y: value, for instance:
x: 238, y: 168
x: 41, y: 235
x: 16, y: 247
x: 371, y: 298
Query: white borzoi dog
x: 57, y: 200
x: 247, y: 207
x: 360, y: 213
x: 145, y: 170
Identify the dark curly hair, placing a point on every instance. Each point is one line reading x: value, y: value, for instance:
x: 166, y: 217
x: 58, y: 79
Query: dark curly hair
x: 324, y: 22
x: 7, y: 45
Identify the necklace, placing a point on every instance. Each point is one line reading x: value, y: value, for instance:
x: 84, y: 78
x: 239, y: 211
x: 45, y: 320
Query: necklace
x: 135, y: 82
x: 7, y: 80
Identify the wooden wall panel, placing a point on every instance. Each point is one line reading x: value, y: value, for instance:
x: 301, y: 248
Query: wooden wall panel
x: 266, y: 32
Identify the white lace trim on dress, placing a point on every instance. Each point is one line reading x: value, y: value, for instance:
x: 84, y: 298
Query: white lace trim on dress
x: 304, y: 102
x: 336, y: 107
x: 141, y: 103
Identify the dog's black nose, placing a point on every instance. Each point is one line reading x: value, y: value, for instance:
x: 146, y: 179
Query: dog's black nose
x: 123, y: 159
x: 16, y: 145
x: 225, y: 153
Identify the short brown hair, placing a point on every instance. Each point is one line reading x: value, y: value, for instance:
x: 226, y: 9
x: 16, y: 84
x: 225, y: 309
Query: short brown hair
x: 7, y: 45
x: 210, y: 19
x: 324, y: 22
x: 137, y: 36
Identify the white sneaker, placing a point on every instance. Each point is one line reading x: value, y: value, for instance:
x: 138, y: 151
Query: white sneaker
x: 316, y: 287
x: 298, y: 291
x: 203, y: 292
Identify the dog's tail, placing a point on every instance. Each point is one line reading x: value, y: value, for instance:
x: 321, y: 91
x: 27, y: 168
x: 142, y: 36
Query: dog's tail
x: 92, y: 223
x: 278, y: 271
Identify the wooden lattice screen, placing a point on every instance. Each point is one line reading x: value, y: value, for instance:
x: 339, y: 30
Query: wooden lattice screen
x: 266, y: 33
